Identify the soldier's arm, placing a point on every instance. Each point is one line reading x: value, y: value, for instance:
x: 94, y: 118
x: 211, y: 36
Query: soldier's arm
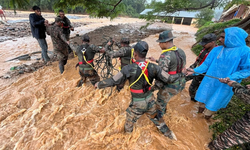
x: 74, y: 47
x: 95, y: 49
x: 68, y: 22
x: 119, y: 78
x: 120, y: 53
x: 48, y: 30
x: 241, y: 92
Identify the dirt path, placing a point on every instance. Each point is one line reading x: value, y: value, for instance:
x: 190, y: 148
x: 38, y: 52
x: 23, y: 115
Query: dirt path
x: 45, y: 110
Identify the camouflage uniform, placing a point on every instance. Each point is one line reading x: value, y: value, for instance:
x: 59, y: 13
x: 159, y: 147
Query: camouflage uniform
x: 142, y: 97
x: 141, y: 102
x: 168, y: 62
x: 59, y: 44
x: 124, y: 53
x: 239, y: 132
x: 86, y: 70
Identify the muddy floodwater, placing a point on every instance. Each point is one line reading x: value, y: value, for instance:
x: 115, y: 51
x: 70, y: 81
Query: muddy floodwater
x: 45, y: 110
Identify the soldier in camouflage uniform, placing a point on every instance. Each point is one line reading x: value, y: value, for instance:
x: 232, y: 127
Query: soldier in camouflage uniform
x: 239, y: 132
x: 140, y: 75
x: 59, y: 41
x: 208, y: 42
x: 124, y: 53
x: 172, y: 61
x: 86, y: 53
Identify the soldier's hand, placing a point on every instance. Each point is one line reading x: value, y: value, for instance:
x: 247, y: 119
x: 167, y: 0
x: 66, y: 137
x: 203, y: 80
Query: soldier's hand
x: 109, y: 43
x: 189, y: 72
x: 102, y: 50
x: 224, y: 80
x: 230, y: 83
x: 96, y: 85
x: 72, y: 29
x: 248, y: 86
x: 152, y: 59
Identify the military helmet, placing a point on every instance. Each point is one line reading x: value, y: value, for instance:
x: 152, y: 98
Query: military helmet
x: 58, y: 19
x: 141, y: 47
x: 125, y: 40
x: 165, y: 36
x: 85, y: 38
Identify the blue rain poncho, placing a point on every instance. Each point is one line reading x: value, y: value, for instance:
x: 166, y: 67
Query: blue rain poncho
x: 231, y: 61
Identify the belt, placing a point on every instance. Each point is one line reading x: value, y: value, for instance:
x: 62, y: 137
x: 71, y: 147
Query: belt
x: 138, y: 91
x: 90, y: 61
x: 172, y: 72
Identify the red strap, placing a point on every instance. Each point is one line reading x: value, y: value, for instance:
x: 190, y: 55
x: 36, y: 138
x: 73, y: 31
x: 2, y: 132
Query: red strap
x: 138, y: 91
x: 90, y: 61
x: 172, y: 72
x: 142, y: 65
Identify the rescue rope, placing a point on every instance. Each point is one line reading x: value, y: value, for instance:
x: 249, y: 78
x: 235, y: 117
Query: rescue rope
x: 170, y: 49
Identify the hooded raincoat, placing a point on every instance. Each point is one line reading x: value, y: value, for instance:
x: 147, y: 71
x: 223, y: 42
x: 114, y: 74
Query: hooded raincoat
x: 231, y: 61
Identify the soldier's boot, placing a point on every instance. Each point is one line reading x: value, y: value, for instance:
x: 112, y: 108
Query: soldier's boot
x: 61, y: 67
x: 170, y: 134
x: 201, y: 110
x: 79, y: 84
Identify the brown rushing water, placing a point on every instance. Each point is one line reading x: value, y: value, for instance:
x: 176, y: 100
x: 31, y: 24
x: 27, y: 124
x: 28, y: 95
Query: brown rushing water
x: 45, y: 110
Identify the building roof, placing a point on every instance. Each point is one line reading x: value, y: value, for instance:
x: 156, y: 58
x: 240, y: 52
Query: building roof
x: 186, y: 14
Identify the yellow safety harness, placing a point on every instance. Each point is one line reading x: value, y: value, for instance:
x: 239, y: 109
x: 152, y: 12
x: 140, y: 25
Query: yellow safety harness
x: 131, y: 60
x: 86, y: 60
x: 170, y: 49
x: 142, y: 73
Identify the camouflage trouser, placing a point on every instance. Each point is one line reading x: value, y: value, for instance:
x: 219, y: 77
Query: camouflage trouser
x: 237, y: 134
x: 89, y: 73
x: 62, y: 56
x: 195, y: 85
x: 165, y: 93
x: 147, y: 106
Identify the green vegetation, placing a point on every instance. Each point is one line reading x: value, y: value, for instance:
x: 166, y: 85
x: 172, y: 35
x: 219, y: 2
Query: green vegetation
x: 205, y: 15
x: 209, y: 27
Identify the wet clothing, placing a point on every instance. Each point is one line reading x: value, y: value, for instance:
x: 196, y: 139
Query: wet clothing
x: 66, y: 26
x: 124, y: 53
x: 231, y: 61
x: 172, y: 62
x: 197, y: 79
x: 86, y: 66
x: 239, y: 132
x: 59, y: 44
x: 37, y: 26
x: 38, y: 30
x: 142, y: 97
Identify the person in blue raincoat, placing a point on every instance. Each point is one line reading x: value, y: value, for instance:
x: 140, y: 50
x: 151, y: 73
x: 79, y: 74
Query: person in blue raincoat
x: 231, y: 61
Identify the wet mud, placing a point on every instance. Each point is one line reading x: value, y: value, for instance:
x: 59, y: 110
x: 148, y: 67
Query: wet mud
x: 45, y: 110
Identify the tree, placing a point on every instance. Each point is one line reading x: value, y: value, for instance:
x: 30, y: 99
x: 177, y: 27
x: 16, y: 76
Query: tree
x: 204, y: 16
x: 112, y: 8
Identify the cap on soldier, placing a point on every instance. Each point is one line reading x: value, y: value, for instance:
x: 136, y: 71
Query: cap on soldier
x: 208, y: 38
x: 85, y: 38
x: 58, y: 19
x: 165, y: 36
x: 141, y: 47
x: 125, y: 40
